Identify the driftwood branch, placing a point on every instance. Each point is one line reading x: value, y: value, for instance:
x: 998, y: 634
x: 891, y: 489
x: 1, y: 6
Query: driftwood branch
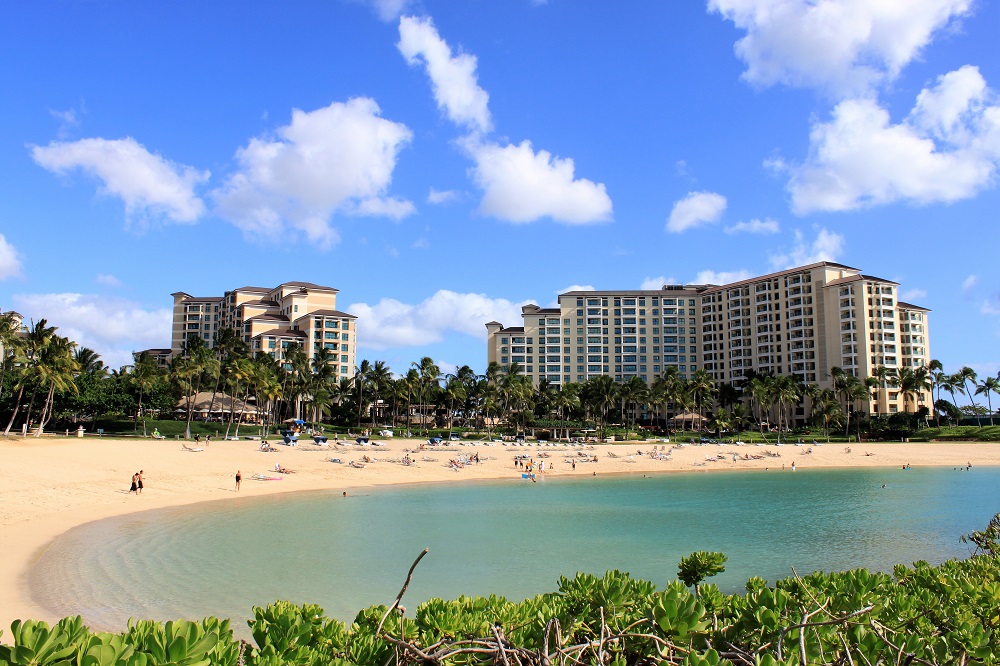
x: 395, y: 604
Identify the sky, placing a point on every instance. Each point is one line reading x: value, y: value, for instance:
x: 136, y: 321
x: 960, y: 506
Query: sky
x: 444, y: 162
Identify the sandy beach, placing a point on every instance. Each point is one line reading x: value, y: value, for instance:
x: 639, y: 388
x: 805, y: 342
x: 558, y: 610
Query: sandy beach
x: 48, y: 486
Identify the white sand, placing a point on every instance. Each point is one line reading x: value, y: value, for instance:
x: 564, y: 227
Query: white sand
x: 48, y: 486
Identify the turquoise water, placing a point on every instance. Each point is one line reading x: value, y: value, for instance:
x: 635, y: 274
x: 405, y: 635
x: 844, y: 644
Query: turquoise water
x: 512, y: 538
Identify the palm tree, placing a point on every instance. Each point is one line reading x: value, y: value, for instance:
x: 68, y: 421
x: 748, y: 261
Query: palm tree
x: 38, y: 336
x: 912, y: 382
x: 762, y: 393
x: 936, y: 370
x: 826, y: 409
x: 601, y: 392
x: 10, y: 343
x: 144, y: 376
x: 454, y: 390
x: 986, y: 387
x: 786, y: 393
x: 361, y: 376
x: 55, y: 371
x: 964, y: 376
x: 566, y: 399
x: 430, y: 375
x: 702, y: 388
x: 633, y: 394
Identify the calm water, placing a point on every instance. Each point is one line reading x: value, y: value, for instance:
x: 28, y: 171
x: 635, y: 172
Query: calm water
x: 512, y: 538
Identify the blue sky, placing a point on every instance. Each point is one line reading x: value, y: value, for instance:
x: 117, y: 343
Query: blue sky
x: 444, y: 162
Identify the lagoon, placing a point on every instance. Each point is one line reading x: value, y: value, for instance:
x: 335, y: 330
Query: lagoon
x: 508, y: 537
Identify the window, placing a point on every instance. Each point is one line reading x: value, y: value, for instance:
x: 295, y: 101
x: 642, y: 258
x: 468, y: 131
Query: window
x: 345, y: 325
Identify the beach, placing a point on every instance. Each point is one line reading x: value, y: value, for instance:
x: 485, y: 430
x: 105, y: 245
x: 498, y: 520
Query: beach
x: 50, y: 485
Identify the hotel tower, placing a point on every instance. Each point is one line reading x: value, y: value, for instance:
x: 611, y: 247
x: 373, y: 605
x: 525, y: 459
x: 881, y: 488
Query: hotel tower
x: 800, y: 322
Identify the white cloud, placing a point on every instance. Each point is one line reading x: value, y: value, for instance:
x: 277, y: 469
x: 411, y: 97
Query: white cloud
x: 390, y: 207
x: 651, y: 283
x: 520, y: 185
x: 946, y: 150
x: 722, y: 277
x: 107, y: 280
x: 970, y: 282
x: 10, y: 260
x: 391, y: 323
x: 339, y: 158
x: 990, y: 307
x: 147, y: 183
x: 827, y: 246
x: 114, y: 328
x: 576, y: 287
x: 441, y: 196
x: 389, y: 10
x: 453, y: 78
x: 68, y: 121
x: 911, y: 295
x: 694, y: 210
x: 840, y: 46
x: 754, y: 226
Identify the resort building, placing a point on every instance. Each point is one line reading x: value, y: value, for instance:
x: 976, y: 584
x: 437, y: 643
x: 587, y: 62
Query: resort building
x: 269, y: 320
x: 800, y: 322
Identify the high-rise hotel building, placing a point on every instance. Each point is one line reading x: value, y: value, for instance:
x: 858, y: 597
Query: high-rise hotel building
x: 269, y: 320
x: 799, y: 322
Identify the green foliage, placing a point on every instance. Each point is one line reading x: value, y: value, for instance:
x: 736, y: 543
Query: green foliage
x: 921, y: 614
x: 698, y: 566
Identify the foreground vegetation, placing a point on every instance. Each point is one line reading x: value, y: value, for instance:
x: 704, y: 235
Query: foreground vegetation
x: 947, y: 614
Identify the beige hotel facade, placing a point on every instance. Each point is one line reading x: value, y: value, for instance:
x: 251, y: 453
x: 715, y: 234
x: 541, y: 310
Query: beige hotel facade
x: 799, y: 322
x: 268, y: 320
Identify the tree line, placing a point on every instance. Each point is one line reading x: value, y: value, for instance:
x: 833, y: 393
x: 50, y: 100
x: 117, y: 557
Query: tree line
x: 46, y: 379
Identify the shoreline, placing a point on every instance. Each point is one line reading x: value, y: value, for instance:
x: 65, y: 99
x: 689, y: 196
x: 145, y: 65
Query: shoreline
x: 50, y: 486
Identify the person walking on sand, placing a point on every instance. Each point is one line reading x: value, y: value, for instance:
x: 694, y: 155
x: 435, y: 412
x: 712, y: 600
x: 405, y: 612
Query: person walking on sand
x: 239, y: 478
x: 135, y: 483
x: 139, y: 478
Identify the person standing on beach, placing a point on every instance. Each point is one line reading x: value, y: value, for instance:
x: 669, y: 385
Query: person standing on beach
x: 239, y: 478
x: 139, y: 479
x: 135, y: 482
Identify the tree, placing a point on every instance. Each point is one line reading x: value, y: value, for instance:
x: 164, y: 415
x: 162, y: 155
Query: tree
x: 38, y: 336
x: 633, y: 394
x: 986, y: 387
x: 454, y: 391
x: 826, y: 409
x: 963, y: 377
x: 600, y: 393
x: 429, y: 374
x: 145, y: 374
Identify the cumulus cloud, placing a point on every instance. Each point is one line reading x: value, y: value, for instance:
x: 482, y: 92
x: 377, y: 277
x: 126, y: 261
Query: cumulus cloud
x: 970, y: 283
x: 840, y: 46
x: 339, y: 158
x: 652, y: 283
x: 149, y: 185
x: 754, y: 226
x: 521, y: 185
x: 114, y: 328
x: 10, y: 260
x: 947, y: 149
x: 695, y: 210
x: 107, y: 280
x: 827, y: 246
x: 911, y: 295
x: 391, y: 323
x: 722, y: 277
x: 453, y: 77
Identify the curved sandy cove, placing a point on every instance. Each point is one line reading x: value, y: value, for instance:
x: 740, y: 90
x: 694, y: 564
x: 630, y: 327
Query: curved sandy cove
x: 48, y: 486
